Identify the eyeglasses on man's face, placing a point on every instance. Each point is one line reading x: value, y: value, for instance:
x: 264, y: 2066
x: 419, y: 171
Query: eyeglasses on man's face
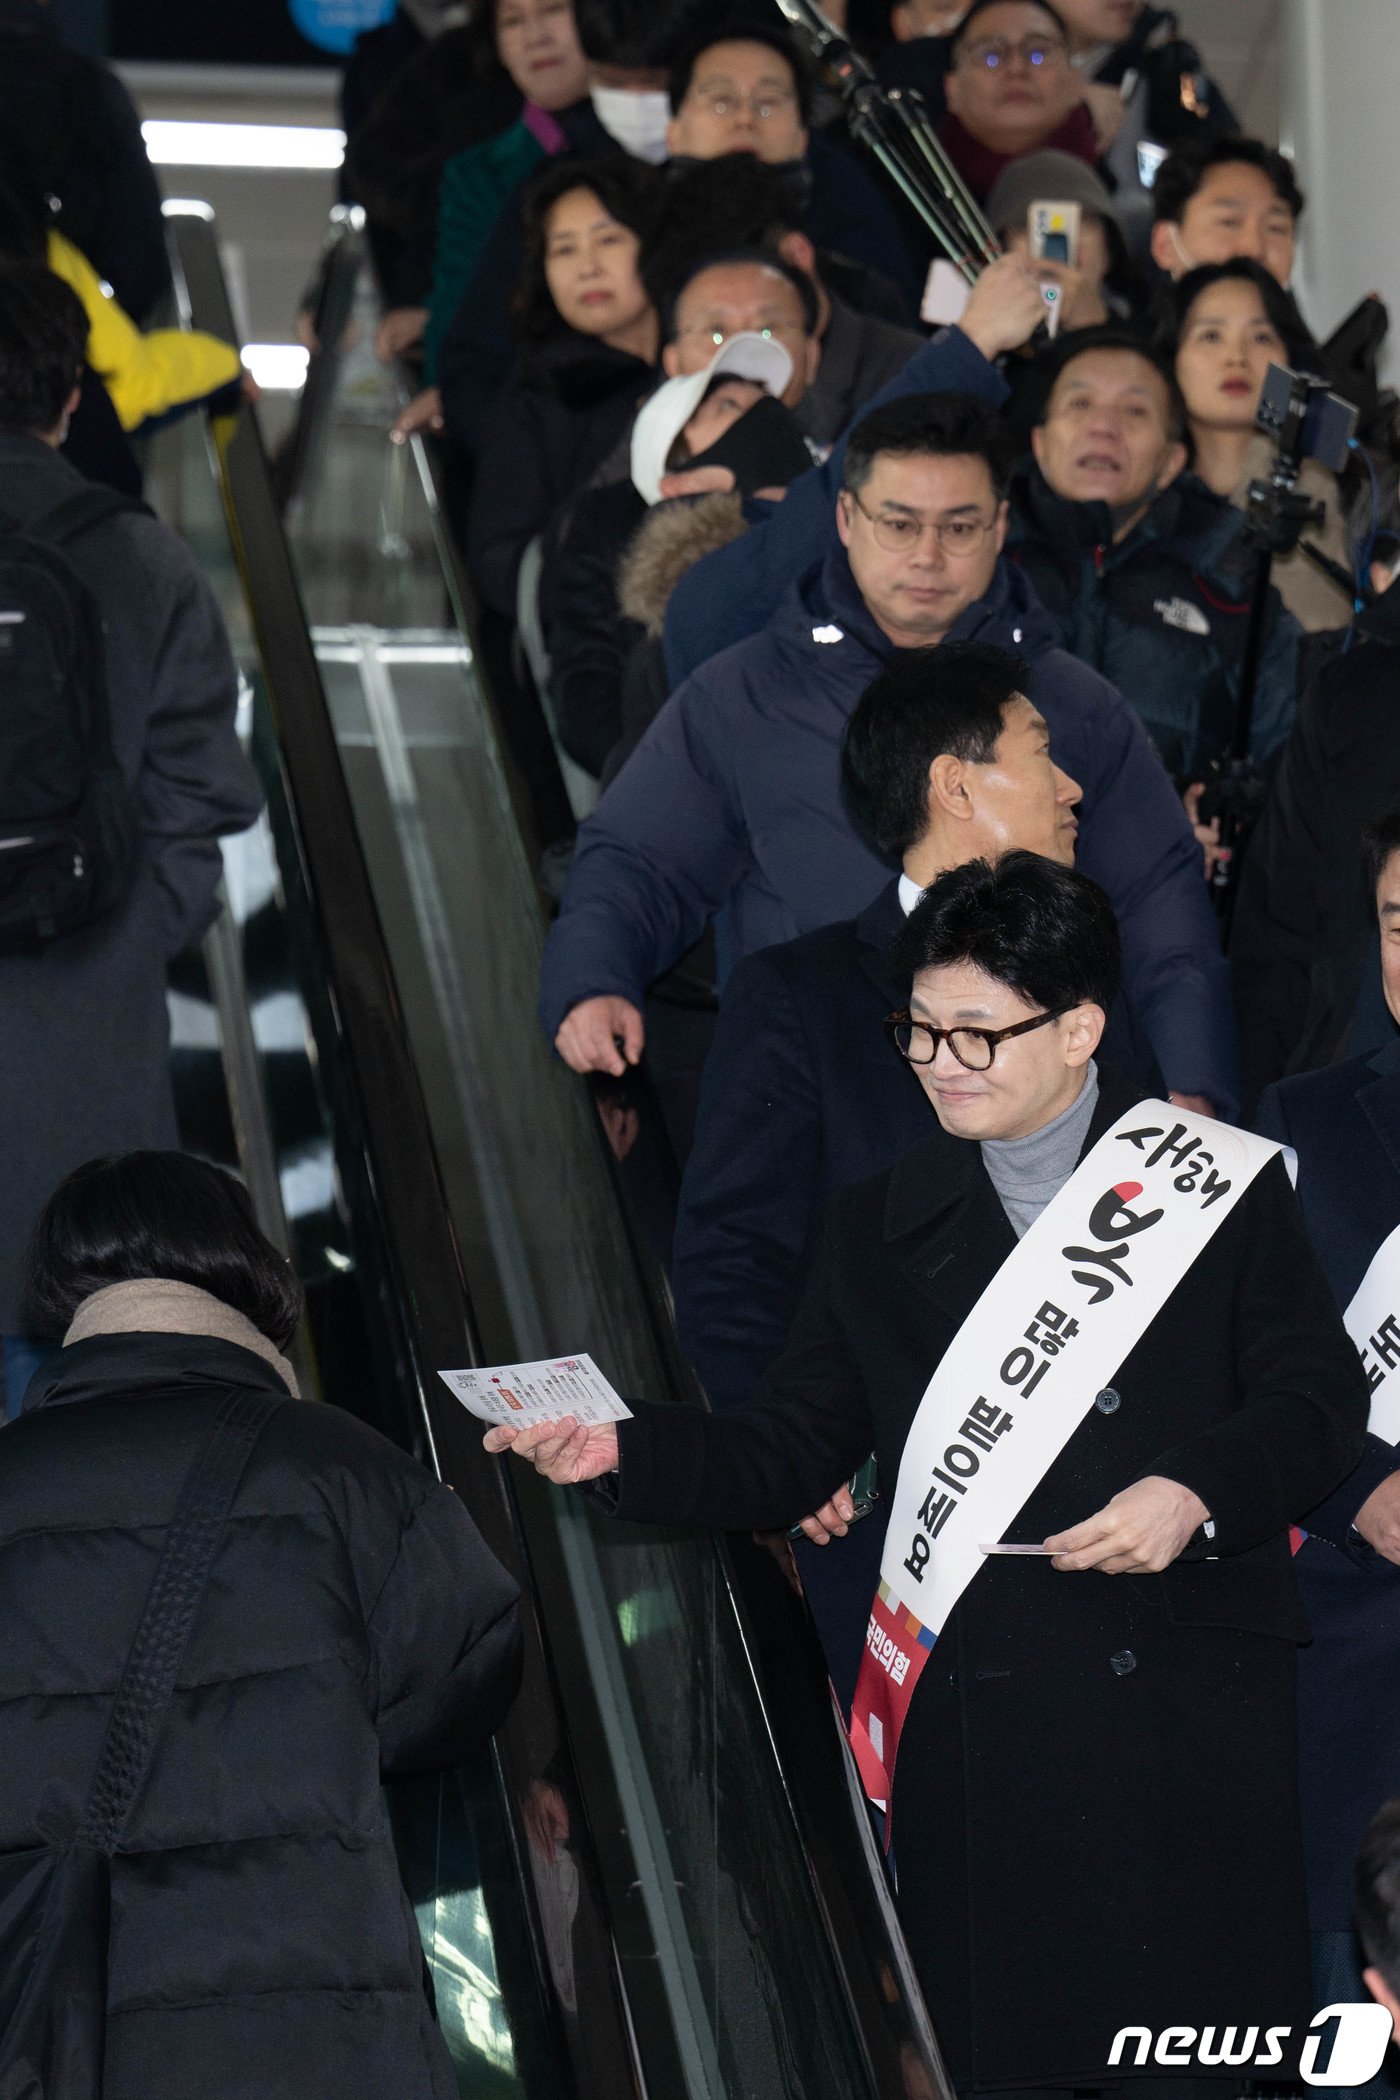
x: 974, y: 1048
x: 785, y: 332
x: 991, y: 54
x: 900, y: 532
x: 726, y: 103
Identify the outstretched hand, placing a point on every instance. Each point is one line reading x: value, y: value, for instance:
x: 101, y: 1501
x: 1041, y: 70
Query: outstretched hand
x: 566, y: 1452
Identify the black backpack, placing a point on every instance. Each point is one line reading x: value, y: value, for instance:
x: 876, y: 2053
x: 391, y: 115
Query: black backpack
x: 69, y: 829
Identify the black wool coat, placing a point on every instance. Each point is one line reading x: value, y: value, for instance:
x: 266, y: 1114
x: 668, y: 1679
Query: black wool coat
x: 354, y: 1627
x: 1095, y: 1805
x: 1344, y: 1124
x: 801, y: 1096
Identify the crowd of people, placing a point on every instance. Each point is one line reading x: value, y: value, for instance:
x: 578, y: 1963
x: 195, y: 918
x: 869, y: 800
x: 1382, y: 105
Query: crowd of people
x: 937, y: 792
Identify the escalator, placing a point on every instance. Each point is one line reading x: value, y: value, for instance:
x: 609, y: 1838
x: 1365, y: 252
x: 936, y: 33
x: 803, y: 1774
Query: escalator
x: 660, y: 1880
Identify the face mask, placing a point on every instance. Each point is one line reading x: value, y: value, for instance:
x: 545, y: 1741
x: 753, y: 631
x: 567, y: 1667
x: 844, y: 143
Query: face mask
x: 637, y: 120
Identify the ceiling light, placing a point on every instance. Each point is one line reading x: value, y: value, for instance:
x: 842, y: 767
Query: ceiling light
x: 181, y: 144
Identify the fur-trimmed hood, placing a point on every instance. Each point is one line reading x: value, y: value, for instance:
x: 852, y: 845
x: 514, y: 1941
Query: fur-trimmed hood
x: 670, y: 540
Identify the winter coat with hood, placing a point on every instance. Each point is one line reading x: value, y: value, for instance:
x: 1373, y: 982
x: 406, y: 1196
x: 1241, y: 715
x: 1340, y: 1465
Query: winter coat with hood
x: 732, y: 804
x: 354, y: 1627
x: 1162, y: 613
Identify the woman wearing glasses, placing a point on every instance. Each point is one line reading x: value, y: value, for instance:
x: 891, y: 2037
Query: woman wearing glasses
x: 1094, y: 1807
x: 1012, y: 90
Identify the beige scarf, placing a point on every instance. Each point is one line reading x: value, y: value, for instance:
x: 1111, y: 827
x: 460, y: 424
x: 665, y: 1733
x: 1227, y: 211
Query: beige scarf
x: 154, y: 1305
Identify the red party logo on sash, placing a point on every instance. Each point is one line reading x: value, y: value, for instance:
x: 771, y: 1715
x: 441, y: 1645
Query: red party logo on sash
x: 896, y: 1648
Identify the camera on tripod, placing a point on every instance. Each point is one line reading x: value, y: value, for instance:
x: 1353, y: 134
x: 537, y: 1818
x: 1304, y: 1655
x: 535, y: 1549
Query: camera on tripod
x: 1306, y: 421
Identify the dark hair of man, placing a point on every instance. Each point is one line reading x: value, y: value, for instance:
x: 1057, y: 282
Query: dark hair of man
x: 641, y: 35
x: 945, y: 426
x: 1083, y: 340
x: 1284, y: 317
x: 141, y: 1215
x: 741, y: 29
x: 733, y: 201
x: 629, y: 191
x: 926, y: 704
x: 43, y: 345
x: 979, y: 7
x: 1379, y: 840
x: 1187, y: 166
x: 1048, y: 933
x: 1378, y: 1894
x: 744, y: 258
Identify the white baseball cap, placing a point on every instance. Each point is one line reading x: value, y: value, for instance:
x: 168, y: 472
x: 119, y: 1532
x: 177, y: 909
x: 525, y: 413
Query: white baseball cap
x: 664, y: 415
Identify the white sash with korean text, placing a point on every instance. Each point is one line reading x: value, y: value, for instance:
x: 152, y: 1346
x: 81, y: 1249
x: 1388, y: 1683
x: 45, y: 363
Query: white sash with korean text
x: 1373, y: 1322
x: 1062, y: 1313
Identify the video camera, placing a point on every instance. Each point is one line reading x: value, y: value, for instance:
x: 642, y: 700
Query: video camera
x: 1306, y: 421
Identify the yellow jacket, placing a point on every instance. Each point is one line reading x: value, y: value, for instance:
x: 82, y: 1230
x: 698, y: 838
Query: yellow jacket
x: 147, y: 375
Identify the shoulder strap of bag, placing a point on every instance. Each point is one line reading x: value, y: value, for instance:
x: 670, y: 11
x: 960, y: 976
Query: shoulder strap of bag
x: 168, y: 1619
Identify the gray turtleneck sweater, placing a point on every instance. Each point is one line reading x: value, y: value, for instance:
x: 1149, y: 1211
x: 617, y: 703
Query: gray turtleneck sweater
x: 1029, y: 1172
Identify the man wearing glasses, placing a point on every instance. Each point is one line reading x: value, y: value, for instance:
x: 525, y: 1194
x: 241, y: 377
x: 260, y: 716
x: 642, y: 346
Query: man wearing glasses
x: 732, y: 804
x: 1011, y: 90
x: 1089, y: 1328
x: 742, y: 86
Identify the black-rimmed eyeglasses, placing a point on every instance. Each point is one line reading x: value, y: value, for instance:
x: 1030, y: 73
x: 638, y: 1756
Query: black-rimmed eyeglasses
x: 975, y: 1048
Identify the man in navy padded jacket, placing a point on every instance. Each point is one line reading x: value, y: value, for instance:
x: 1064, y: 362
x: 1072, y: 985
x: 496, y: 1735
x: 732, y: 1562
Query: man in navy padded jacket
x: 731, y: 806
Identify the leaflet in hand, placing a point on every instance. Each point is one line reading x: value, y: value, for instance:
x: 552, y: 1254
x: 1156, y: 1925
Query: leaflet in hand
x: 525, y: 1394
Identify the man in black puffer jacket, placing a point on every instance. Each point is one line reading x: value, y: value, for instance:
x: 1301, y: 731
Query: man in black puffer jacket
x: 354, y: 1627
x: 1146, y: 575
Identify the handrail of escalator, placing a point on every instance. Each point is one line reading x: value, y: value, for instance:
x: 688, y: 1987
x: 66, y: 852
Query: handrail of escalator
x: 335, y: 295
x: 430, y: 1285
x: 342, y: 261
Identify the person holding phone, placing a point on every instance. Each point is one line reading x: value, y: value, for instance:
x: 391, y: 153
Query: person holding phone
x: 1089, y: 262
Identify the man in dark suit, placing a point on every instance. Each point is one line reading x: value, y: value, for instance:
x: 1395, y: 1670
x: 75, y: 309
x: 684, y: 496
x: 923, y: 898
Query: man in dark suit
x: 1095, y: 1805
x: 1344, y: 1124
